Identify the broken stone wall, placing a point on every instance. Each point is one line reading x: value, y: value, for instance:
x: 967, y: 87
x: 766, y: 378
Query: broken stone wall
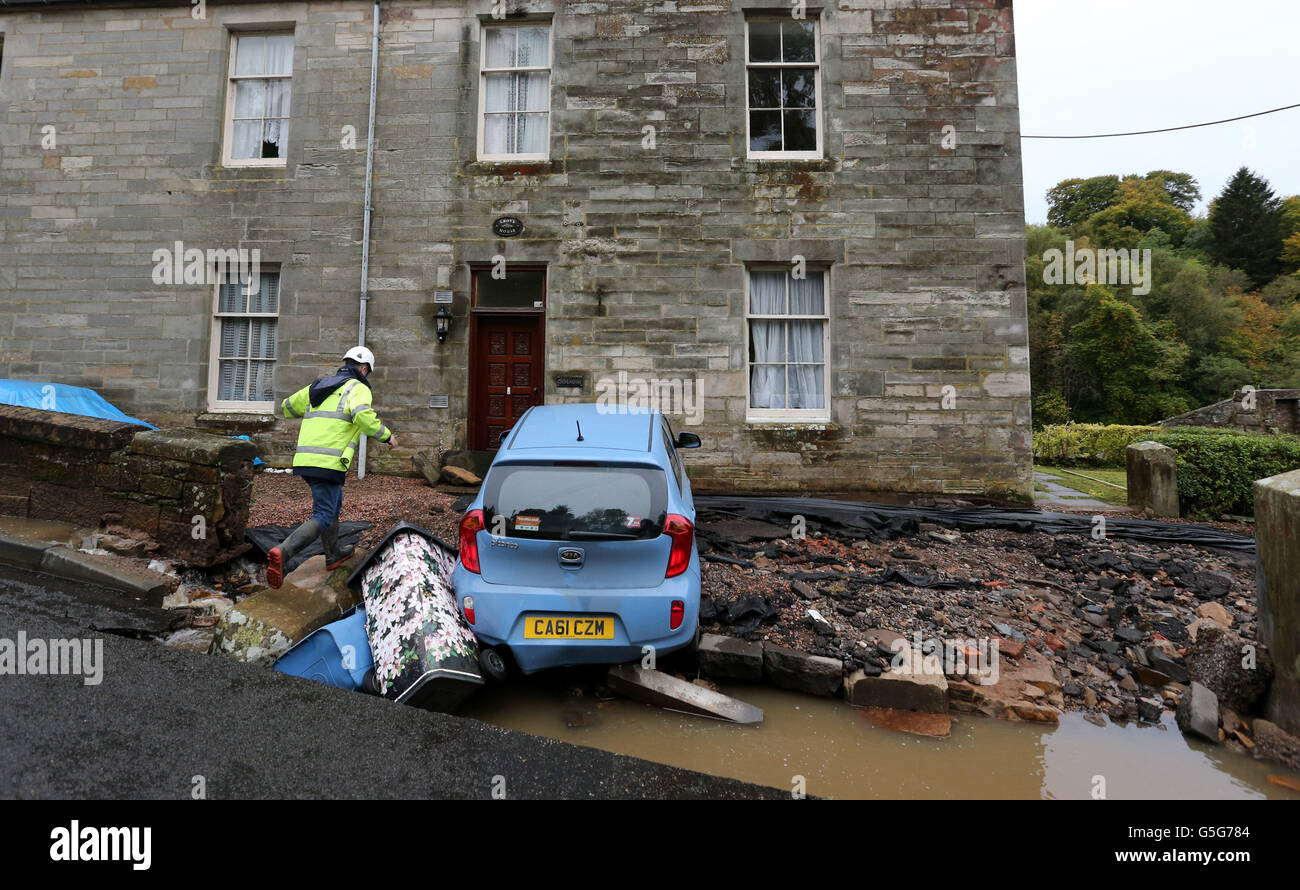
x: 1274, y: 411
x: 188, y: 490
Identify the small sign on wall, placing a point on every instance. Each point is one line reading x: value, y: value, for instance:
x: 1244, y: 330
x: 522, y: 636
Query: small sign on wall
x: 442, y: 296
x: 440, y: 401
x: 507, y: 226
x: 569, y: 381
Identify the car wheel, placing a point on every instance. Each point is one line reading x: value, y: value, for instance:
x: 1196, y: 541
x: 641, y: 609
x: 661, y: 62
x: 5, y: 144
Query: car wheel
x: 370, y: 683
x: 493, y: 665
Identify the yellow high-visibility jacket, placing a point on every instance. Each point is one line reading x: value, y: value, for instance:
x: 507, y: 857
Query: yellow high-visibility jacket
x: 329, y: 433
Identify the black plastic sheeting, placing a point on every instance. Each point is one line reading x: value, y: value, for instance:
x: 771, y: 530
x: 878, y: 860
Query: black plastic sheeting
x: 884, y: 522
x: 265, y: 537
x: 743, y: 616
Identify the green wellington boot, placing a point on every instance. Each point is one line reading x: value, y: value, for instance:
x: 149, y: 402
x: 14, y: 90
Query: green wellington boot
x: 335, y: 555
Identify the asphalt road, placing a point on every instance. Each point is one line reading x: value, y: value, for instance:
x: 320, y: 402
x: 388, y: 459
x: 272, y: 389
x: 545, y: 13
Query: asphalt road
x: 162, y: 717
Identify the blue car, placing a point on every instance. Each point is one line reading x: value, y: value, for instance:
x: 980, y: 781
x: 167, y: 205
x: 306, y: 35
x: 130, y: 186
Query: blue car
x: 580, y: 546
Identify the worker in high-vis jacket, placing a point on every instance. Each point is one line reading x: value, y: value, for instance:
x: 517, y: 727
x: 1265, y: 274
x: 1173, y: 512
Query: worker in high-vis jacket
x: 336, y: 412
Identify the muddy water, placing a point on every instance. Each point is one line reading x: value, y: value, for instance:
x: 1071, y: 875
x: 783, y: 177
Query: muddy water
x: 841, y: 755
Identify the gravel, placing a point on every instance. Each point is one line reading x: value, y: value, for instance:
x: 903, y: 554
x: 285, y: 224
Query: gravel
x: 285, y: 499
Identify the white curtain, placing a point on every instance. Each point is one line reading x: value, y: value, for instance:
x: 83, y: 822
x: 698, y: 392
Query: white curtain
x: 533, y: 48
x: 516, y: 106
x: 250, y: 56
x: 499, y: 48
x: 767, y: 340
x: 807, y: 376
x: 264, y: 55
x: 261, y: 114
x: 279, y: 54
x: 808, y: 295
x: 787, y: 357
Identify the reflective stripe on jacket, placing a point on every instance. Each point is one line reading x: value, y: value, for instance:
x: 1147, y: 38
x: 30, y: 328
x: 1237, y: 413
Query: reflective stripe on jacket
x: 329, y: 433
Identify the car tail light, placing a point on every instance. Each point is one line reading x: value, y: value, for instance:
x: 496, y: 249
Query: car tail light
x: 470, y: 526
x: 679, y: 528
x: 676, y: 614
x: 468, y: 604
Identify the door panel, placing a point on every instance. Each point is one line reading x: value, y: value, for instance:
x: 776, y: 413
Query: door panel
x: 507, y: 363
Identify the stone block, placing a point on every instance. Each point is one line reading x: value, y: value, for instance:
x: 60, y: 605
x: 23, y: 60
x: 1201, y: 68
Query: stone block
x: 192, y: 447
x: 898, y: 689
x: 1236, y: 671
x: 1274, y: 743
x: 142, y: 584
x: 1198, y: 713
x: 813, y: 674
x: 730, y: 657
x: 1153, y: 478
x: 667, y: 691
x: 264, y: 626
x: 1277, y: 586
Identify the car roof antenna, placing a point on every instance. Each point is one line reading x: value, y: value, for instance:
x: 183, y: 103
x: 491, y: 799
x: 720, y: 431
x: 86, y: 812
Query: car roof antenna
x: 579, y: 423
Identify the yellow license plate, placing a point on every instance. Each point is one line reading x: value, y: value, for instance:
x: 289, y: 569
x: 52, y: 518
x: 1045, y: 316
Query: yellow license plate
x: 568, y: 627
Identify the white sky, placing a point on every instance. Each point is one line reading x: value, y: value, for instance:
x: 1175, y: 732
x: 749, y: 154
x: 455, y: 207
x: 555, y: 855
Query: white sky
x: 1106, y: 66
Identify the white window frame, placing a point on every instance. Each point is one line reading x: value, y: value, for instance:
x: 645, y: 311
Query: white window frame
x: 790, y: 415
x: 483, y: 72
x: 228, y: 136
x: 216, y: 404
x: 816, y: 65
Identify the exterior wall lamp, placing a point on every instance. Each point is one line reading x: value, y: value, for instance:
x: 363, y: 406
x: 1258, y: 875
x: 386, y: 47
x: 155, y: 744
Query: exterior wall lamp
x: 443, y: 323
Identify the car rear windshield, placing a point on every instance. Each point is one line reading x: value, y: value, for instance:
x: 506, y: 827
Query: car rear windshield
x: 561, y: 501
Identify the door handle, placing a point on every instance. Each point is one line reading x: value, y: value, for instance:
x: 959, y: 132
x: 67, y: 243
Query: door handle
x: 507, y: 390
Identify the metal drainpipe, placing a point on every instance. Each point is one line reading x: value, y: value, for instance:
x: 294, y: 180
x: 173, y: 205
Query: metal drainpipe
x: 365, y: 226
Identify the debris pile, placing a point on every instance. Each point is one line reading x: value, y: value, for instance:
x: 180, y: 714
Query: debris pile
x: 1111, y: 624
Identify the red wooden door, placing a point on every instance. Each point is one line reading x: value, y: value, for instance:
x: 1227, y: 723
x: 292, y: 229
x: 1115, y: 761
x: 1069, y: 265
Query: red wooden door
x: 508, y: 370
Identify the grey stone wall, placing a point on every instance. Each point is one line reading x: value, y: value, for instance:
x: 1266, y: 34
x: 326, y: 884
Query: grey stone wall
x: 189, y: 490
x: 1265, y: 411
x: 645, y: 249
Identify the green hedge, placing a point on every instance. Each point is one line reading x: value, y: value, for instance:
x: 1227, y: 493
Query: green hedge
x: 1087, y: 444
x: 1217, y: 468
x: 1103, y: 445
x: 1217, y: 473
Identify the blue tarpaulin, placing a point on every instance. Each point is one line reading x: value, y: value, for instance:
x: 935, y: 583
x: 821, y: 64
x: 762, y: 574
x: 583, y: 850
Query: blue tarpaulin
x: 62, y: 397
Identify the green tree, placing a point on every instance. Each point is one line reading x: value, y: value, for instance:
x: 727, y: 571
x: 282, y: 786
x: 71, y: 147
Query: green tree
x: 1072, y: 201
x: 1140, y: 207
x: 1182, y: 188
x: 1290, y: 255
x: 1290, y: 216
x: 1219, y: 376
x: 1282, y: 292
x: 1050, y: 408
x: 1246, y: 227
x: 1128, y: 368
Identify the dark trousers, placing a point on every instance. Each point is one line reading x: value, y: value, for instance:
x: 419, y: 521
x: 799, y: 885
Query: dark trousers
x: 326, y: 501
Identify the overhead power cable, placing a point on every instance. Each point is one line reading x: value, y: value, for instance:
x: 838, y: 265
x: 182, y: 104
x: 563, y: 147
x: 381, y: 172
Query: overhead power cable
x: 1226, y: 120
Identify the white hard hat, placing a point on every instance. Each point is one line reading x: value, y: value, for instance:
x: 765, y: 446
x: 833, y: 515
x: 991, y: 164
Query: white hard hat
x: 362, y: 355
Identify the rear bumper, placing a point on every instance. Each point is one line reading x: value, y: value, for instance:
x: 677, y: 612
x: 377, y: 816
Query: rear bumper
x: 640, y: 617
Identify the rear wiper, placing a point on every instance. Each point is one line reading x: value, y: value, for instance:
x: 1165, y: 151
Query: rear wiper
x: 602, y: 536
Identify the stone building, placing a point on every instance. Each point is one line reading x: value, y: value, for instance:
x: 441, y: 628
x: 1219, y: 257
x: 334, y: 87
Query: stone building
x: 800, y: 230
